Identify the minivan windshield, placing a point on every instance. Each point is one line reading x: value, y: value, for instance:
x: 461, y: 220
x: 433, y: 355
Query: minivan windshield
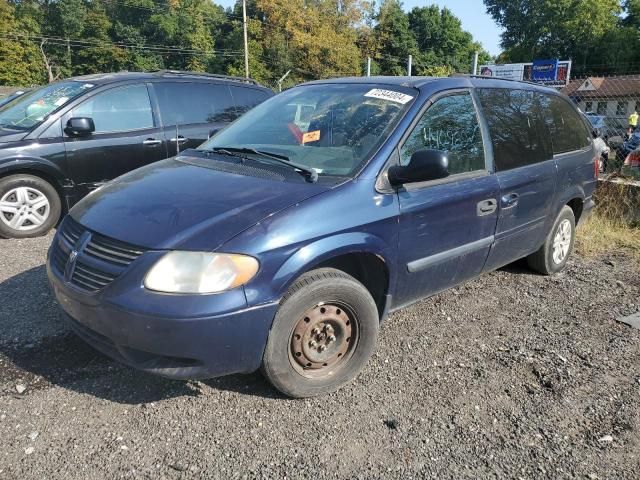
x: 332, y: 128
x: 32, y: 108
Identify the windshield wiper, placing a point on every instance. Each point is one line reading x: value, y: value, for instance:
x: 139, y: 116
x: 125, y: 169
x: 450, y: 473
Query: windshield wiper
x: 310, y: 173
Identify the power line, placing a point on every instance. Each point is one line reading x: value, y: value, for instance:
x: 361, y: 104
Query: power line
x: 166, y: 49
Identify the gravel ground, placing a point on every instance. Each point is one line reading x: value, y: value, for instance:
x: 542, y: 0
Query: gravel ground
x: 513, y: 375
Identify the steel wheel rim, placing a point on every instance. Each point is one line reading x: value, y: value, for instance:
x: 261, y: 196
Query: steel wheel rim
x: 562, y: 242
x: 24, y: 208
x: 312, y: 351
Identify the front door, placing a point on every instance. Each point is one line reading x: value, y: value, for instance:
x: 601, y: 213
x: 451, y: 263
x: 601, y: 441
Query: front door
x: 126, y: 136
x: 446, y: 226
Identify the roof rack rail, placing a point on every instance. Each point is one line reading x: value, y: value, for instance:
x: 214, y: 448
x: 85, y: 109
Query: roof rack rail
x: 210, y: 75
x: 487, y: 77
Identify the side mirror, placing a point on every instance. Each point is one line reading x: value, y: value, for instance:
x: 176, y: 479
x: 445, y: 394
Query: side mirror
x: 80, y: 127
x: 424, y: 165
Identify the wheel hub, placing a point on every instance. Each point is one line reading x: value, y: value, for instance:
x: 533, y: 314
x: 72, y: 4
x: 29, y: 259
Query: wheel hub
x: 562, y: 242
x: 322, y: 337
x: 24, y: 208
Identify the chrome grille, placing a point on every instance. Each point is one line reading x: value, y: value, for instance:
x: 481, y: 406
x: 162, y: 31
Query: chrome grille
x: 100, y: 259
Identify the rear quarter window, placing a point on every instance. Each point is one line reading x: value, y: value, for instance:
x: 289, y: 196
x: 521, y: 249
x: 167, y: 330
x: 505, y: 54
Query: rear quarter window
x: 568, y: 132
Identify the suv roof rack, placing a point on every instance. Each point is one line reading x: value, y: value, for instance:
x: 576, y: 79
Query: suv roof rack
x: 487, y: 77
x: 210, y: 75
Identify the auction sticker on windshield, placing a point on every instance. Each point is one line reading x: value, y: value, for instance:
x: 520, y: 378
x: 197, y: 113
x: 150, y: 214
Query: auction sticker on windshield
x: 389, y: 95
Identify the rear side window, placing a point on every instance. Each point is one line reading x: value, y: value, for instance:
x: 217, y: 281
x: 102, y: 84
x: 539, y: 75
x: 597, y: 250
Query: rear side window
x: 568, y: 131
x: 247, y: 98
x: 516, y: 121
x: 451, y: 125
x: 189, y: 103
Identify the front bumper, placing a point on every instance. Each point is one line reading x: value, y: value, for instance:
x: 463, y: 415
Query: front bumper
x: 164, y: 342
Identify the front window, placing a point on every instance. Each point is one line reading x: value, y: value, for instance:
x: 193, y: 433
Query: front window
x: 32, y: 108
x: 333, y: 129
x: 118, y: 110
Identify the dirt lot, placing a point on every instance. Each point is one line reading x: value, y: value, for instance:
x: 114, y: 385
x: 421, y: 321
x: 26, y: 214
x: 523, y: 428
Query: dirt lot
x: 514, y: 375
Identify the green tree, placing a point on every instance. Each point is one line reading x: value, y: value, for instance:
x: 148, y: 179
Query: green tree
x: 20, y: 60
x: 555, y: 28
x: 444, y: 47
x: 395, y: 39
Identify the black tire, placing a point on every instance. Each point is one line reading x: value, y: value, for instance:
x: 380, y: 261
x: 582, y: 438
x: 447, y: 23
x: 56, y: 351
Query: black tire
x: 330, y: 288
x: 33, y: 184
x: 543, y: 260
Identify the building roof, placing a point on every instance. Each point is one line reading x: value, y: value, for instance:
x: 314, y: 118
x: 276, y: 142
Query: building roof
x: 603, y: 87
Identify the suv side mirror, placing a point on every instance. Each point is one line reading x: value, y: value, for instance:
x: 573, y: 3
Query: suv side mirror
x: 424, y: 165
x: 80, y: 127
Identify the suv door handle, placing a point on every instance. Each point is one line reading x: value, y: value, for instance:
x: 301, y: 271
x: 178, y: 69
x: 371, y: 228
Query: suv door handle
x: 180, y: 139
x: 509, y: 200
x: 487, y: 207
x: 151, y: 142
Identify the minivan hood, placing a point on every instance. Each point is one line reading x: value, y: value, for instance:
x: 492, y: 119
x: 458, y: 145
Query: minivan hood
x: 176, y: 205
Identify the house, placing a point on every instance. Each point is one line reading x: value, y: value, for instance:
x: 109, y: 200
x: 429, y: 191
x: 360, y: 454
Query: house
x: 613, y: 97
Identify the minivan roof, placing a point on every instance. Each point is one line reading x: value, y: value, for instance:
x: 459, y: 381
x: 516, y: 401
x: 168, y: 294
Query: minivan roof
x: 418, y: 82
x: 105, y: 78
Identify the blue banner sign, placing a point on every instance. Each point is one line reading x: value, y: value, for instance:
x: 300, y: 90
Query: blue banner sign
x: 544, y: 70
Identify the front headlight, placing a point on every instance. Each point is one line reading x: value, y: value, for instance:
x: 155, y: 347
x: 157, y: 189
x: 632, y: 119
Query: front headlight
x: 200, y: 272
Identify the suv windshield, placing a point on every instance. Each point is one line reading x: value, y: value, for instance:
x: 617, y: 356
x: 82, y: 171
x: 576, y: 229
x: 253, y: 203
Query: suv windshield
x: 32, y: 108
x: 333, y: 129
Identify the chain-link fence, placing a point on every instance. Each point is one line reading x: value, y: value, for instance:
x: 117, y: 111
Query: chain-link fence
x: 612, y: 105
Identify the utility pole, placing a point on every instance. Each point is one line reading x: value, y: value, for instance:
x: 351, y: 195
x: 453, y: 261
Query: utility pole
x: 368, y: 66
x: 246, y: 47
x: 409, y: 65
x: 474, y: 70
x: 282, y: 80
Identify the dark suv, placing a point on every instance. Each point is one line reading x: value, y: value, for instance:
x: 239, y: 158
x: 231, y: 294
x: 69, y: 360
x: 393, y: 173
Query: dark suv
x: 61, y: 141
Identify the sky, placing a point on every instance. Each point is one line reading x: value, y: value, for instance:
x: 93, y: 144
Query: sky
x: 472, y: 13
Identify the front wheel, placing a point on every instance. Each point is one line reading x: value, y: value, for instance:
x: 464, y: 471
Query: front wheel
x: 322, y: 336
x: 29, y: 206
x: 554, y: 253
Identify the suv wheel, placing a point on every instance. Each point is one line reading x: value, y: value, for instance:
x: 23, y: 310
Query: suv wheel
x: 322, y: 336
x: 554, y: 253
x: 29, y: 206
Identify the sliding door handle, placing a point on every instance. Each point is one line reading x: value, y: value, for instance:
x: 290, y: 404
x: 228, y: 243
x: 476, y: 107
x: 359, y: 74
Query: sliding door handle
x: 509, y: 200
x: 180, y: 139
x: 152, y: 142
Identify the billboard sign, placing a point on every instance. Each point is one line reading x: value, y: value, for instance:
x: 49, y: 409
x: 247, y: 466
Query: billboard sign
x: 510, y: 71
x: 548, y: 72
x: 544, y: 70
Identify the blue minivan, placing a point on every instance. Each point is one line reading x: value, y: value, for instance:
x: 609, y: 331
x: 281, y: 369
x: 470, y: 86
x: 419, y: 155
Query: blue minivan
x: 284, y: 241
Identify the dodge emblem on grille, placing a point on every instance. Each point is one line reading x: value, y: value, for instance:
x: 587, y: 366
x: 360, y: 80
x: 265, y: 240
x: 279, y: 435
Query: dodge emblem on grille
x: 73, y: 256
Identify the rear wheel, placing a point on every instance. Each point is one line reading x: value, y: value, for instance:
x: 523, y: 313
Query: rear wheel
x: 554, y: 253
x: 322, y: 336
x: 29, y: 206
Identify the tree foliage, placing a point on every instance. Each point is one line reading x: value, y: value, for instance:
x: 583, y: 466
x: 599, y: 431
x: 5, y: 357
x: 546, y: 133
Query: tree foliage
x: 43, y: 40
x: 598, y: 35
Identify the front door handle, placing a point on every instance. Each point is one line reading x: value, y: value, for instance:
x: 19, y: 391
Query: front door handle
x: 509, y: 200
x: 152, y: 142
x: 180, y: 139
x: 487, y: 207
